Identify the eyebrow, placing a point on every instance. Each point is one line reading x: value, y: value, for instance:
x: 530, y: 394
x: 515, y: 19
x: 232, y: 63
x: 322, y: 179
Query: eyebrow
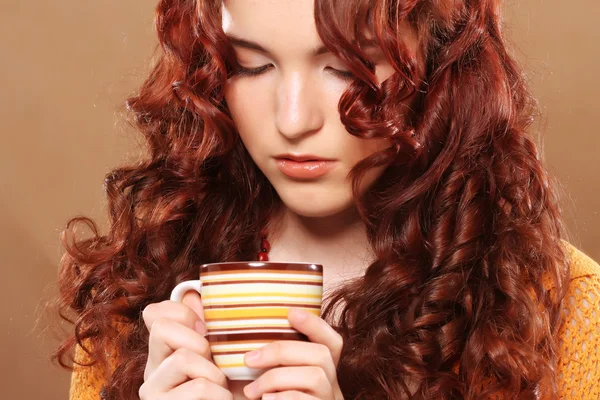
x: 247, y: 44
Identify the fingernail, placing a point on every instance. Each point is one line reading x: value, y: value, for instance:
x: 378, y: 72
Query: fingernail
x: 253, y: 356
x: 200, y: 328
x: 298, y: 314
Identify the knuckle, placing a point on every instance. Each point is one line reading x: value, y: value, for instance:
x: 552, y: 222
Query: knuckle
x: 339, y: 342
x: 180, y: 356
x: 324, y: 354
x: 146, y: 373
x: 318, y: 376
x: 159, y: 327
x: 148, y: 312
x: 222, y: 379
x: 203, y: 348
x: 200, y: 384
x: 142, y: 392
x: 275, y: 349
x: 174, y: 310
x: 204, y: 345
x: 181, y: 313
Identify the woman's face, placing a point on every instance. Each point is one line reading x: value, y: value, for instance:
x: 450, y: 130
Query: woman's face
x: 291, y: 106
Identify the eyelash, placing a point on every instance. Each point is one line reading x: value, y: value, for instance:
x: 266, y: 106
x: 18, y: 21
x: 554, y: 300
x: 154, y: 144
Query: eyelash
x: 241, y: 71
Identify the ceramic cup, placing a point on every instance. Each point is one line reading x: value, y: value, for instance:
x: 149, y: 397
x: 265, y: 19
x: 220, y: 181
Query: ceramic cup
x: 246, y: 306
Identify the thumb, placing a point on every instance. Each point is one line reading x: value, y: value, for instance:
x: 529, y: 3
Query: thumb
x: 193, y: 300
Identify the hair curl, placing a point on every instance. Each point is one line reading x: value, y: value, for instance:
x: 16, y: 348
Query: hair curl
x: 464, y: 222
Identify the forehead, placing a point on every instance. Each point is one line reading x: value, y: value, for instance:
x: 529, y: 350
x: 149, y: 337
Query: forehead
x: 269, y: 17
x: 286, y: 21
x: 279, y: 27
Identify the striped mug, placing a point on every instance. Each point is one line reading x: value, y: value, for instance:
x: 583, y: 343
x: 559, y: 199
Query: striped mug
x: 246, y: 305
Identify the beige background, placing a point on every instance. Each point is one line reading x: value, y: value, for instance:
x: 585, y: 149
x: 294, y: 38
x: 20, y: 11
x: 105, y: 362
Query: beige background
x: 67, y: 66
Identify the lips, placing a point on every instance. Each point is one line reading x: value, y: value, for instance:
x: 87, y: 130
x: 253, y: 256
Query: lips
x: 305, y: 170
x: 302, y: 157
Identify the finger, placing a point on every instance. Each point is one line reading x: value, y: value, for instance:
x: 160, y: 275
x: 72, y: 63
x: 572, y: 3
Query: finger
x: 317, y: 330
x: 167, y: 336
x: 180, y: 367
x: 192, y: 299
x: 199, y: 389
x: 173, y: 310
x: 293, y: 353
x: 311, y: 380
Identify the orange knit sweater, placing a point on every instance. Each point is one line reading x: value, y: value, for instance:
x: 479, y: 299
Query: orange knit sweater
x: 579, y: 364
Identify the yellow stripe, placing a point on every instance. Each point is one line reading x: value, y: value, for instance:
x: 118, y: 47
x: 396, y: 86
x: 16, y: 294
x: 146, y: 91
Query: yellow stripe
x: 261, y: 294
x: 231, y: 365
x: 246, y: 349
x: 271, y: 312
x: 257, y: 288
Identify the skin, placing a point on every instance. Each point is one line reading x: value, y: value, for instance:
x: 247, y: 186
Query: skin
x: 180, y: 365
x: 290, y: 107
x: 294, y: 108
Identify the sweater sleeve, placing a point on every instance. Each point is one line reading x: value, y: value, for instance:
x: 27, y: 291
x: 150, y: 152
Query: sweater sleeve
x: 86, y: 381
x: 579, y: 363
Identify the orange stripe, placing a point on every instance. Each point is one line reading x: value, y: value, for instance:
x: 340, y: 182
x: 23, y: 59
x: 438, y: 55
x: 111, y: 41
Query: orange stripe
x: 231, y: 365
x: 251, y: 313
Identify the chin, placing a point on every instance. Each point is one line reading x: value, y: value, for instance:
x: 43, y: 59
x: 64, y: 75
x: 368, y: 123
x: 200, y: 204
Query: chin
x: 316, y: 203
x: 315, y: 212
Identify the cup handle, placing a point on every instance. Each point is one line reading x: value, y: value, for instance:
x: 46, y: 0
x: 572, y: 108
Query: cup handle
x: 184, y: 287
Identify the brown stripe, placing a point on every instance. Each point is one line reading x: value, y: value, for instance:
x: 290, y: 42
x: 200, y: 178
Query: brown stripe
x: 251, y: 305
x: 239, y: 342
x: 229, y: 353
x: 263, y: 281
x: 232, y: 338
x: 243, y: 266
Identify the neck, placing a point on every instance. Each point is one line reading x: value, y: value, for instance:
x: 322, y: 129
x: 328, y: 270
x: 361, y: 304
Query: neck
x: 339, y: 242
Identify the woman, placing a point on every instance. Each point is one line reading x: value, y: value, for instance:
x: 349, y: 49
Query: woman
x: 438, y: 227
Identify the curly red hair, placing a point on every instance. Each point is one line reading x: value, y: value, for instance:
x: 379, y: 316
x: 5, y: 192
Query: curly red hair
x: 464, y: 222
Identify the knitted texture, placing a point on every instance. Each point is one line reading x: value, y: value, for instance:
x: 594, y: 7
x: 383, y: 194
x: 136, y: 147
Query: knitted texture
x: 579, y: 346
x: 579, y: 364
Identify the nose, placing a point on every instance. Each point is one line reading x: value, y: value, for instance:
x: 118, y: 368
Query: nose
x: 299, y: 112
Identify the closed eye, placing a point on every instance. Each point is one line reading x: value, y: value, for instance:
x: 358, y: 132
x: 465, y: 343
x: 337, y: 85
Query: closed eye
x: 241, y: 71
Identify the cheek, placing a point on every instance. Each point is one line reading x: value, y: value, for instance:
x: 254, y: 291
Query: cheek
x: 248, y: 116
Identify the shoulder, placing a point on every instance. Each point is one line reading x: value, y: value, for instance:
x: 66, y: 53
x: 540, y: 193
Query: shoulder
x: 583, y: 293
x: 579, y: 337
x: 89, y: 377
x: 582, y: 300
x: 582, y: 266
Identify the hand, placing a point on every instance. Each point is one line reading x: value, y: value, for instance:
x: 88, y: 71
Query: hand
x: 180, y: 364
x: 308, y: 369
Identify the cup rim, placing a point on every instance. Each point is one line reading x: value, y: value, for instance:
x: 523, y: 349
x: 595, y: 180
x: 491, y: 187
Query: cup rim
x: 319, y: 267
